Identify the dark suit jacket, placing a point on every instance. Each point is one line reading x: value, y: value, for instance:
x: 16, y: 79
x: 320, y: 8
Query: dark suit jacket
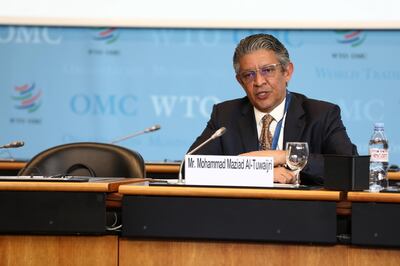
x: 307, y: 120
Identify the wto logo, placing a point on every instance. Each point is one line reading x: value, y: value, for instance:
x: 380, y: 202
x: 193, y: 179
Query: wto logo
x: 107, y: 35
x: 353, y: 38
x: 28, y: 97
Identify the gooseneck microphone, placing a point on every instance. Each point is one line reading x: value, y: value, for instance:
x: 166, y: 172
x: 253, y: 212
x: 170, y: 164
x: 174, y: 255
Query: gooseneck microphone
x: 221, y: 131
x: 14, y: 144
x: 147, y: 130
x: 216, y: 134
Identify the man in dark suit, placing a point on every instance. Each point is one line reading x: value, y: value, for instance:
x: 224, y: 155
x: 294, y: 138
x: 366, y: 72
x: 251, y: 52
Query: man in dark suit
x: 263, y: 69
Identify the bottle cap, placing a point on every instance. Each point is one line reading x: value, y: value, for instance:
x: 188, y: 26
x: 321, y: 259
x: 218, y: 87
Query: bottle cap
x: 379, y: 125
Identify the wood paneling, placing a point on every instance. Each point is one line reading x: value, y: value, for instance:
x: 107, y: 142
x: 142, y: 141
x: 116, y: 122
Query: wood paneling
x: 190, y: 253
x: 58, y: 250
x: 373, y: 256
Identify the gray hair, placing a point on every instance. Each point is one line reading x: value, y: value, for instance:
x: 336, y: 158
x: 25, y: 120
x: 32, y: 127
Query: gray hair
x: 256, y: 42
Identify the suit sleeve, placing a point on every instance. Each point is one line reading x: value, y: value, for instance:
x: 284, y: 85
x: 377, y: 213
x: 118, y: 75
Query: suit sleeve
x: 334, y: 141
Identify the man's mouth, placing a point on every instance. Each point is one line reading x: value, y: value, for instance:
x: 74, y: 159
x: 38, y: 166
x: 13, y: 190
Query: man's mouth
x: 262, y: 95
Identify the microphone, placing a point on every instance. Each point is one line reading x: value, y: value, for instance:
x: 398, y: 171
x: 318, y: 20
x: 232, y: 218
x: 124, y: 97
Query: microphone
x: 221, y: 131
x: 152, y: 128
x: 147, y: 130
x: 216, y: 134
x: 14, y: 144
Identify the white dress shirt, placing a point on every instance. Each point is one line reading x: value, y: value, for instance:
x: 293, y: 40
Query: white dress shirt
x: 278, y: 113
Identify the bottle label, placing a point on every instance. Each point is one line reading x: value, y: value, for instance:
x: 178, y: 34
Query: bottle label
x: 379, y: 155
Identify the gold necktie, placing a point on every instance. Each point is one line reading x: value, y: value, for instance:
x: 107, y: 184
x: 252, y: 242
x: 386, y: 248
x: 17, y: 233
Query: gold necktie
x: 266, y: 136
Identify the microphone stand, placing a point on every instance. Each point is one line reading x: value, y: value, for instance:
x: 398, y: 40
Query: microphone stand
x: 128, y: 136
x: 217, y: 134
x: 11, y: 158
x: 147, y: 130
x: 6, y: 147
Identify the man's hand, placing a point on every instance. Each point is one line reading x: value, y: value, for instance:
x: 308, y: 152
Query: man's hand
x: 278, y: 155
x: 283, y: 175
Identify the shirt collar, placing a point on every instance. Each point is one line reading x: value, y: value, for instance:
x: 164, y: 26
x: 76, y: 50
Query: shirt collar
x: 277, y: 113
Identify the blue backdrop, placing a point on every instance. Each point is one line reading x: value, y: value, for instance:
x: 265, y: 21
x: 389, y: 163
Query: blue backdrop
x: 64, y: 85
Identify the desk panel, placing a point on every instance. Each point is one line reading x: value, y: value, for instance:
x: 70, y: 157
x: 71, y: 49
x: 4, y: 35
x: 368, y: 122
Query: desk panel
x: 375, y: 218
x: 52, y: 212
x: 58, y: 207
x: 229, y: 213
x: 225, y: 218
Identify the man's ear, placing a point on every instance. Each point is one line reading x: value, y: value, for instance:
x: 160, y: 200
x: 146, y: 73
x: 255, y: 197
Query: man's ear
x: 239, y: 80
x: 289, y: 71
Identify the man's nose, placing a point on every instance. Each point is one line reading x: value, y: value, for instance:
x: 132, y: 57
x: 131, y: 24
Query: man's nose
x: 259, y: 79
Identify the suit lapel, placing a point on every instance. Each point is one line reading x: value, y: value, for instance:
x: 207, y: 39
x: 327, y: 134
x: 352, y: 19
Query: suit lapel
x: 248, y: 128
x: 295, y: 120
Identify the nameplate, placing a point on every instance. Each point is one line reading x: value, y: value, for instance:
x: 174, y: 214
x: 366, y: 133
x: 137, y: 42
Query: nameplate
x: 229, y: 170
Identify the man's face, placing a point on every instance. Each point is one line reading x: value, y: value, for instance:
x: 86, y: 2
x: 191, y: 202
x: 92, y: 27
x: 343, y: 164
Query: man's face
x: 263, y: 79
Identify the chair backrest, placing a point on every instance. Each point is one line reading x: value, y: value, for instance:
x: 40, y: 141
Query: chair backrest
x: 87, y: 159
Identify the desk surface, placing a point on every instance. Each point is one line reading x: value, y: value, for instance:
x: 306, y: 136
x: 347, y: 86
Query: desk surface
x: 98, y: 185
x: 172, y: 168
x: 144, y: 189
x: 373, y: 197
x: 5, y: 165
x: 394, y: 175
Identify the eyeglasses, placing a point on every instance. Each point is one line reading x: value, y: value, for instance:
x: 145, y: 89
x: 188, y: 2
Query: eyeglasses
x: 267, y: 71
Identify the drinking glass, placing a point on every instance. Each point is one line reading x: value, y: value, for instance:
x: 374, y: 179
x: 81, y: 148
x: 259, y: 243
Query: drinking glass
x: 296, y: 158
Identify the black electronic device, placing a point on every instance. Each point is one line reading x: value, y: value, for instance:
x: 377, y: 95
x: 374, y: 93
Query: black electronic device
x: 346, y: 172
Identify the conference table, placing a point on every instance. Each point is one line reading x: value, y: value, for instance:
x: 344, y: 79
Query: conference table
x: 166, y: 224
x: 58, y: 222
x: 153, y: 169
x: 181, y: 225
x: 375, y: 218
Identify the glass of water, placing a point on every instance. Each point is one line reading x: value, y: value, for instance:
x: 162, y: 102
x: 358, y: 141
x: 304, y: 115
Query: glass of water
x: 296, y: 158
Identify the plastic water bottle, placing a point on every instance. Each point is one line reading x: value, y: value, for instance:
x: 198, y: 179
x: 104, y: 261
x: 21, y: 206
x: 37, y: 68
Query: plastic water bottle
x: 379, y: 161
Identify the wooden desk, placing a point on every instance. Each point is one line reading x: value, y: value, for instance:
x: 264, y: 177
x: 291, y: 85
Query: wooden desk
x: 5, y: 165
x: 107, y: 185
x: 154, y: 250
x: 375, y: 218
x: 10, y: 168
x: 57, y: 207
x: 153, y: 170
x: 229, y: 213
x: 394, y: 175
x: 220, y: 192
x: 373, y: 197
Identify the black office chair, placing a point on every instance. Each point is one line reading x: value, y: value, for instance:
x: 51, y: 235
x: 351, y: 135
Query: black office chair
x: 86, y: 159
